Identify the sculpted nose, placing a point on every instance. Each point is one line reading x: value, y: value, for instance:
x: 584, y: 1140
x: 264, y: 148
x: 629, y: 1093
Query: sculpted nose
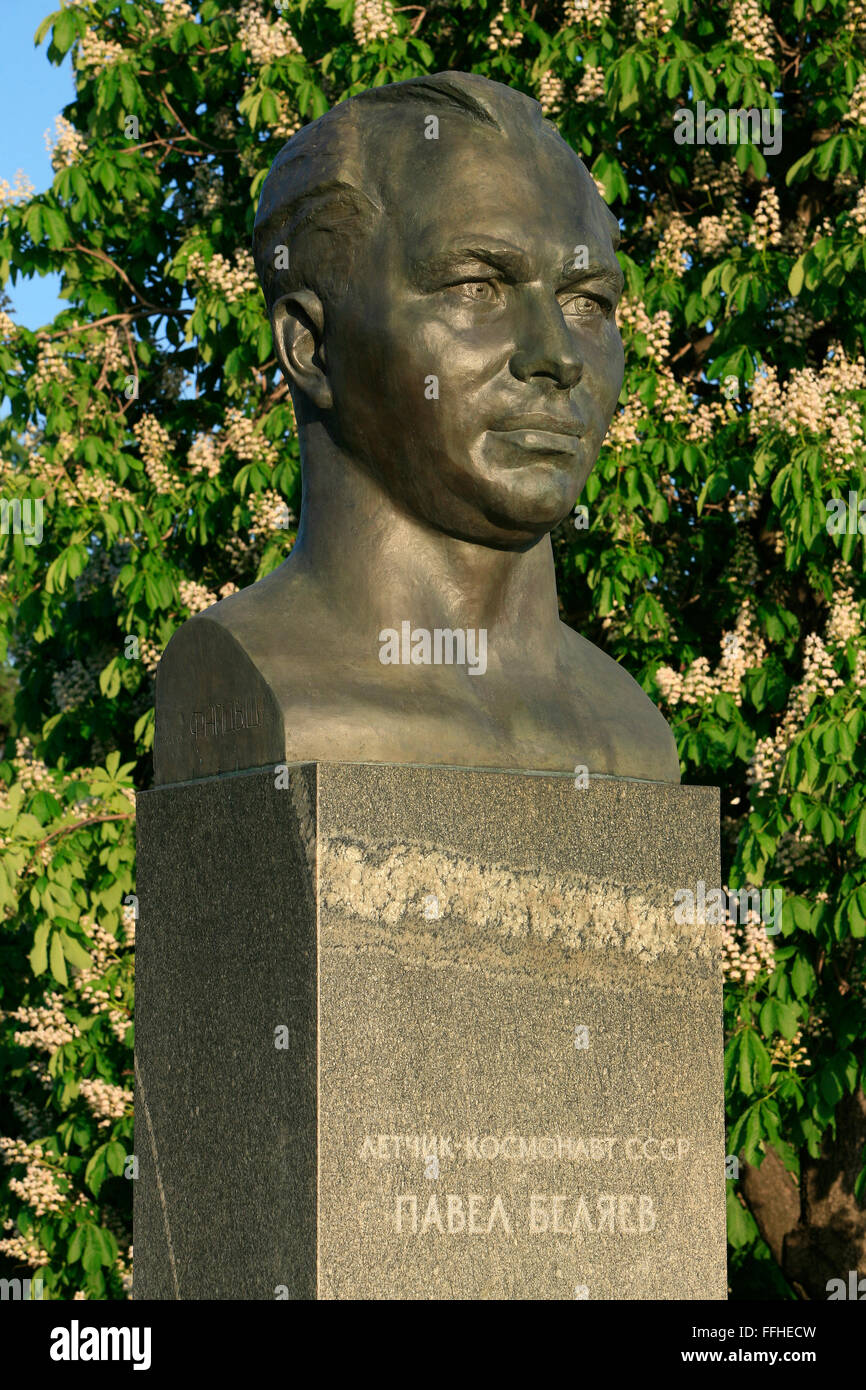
x: 546, y: 347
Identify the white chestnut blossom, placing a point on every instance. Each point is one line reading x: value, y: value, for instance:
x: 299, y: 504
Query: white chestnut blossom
x: 373, y: 20
x: 265, y: 43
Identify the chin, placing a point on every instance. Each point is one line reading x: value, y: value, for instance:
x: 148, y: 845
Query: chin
x: 503, y: 525
x: 508, y: 508
x: 535, y: 499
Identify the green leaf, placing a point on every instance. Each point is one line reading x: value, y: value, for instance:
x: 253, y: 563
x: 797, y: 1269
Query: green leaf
x: 802, y: 977
x: 741, y: 1224
x: 828, y: 827
x: 115, y: 1156
x: 799, y: 168
x: 39, y: 955
x: 92, y: 1257
x: 830, y: 1086
x: 106, y: 1244
x: 856, y: 914
x: 58, y: 964
x: 94, y: 1173
x: 74, y: 952
x: 65, y: 31
x: 109, y: 679
x: 796, y: 277
x: 54, y: 226
x: 270, y: 108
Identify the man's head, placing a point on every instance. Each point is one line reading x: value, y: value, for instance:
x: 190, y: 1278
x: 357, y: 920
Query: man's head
x: 441, y: 278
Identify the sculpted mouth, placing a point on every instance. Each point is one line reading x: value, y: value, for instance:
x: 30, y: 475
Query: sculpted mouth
x: 542, y: 424
x: 538, y: 434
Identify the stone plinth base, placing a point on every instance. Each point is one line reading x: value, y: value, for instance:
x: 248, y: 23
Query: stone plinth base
x: 426, y: 1032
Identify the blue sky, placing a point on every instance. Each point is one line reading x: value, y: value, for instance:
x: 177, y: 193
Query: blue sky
x: 32, y: 93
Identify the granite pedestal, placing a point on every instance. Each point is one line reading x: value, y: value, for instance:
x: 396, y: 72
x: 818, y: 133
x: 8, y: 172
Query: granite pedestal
x: 426, y: 1032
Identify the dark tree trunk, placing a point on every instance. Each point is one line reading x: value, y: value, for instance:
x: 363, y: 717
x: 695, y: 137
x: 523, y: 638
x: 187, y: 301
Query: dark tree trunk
x: 815, y: 1231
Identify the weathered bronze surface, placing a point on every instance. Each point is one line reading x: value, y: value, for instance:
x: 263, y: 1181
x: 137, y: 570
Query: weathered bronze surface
x: 441, y: 277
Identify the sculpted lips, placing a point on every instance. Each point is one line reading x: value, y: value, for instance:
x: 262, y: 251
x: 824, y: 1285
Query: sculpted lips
x: 542, y: 432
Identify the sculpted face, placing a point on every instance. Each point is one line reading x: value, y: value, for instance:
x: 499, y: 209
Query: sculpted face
x: 494, y: 273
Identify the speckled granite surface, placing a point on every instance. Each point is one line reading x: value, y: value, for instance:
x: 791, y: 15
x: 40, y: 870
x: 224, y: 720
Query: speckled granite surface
x: 425, y: 1032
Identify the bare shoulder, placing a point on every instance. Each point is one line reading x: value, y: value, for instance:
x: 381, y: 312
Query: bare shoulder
x: 639, y: 734
x: 216, y: 710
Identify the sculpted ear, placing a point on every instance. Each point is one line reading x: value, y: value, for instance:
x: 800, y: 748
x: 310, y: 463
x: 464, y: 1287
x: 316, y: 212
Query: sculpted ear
x: 298, y: 322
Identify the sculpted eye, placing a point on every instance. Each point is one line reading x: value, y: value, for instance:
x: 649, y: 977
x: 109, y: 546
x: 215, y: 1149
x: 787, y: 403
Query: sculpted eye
x: 478, y: 291
x: 585, y: 306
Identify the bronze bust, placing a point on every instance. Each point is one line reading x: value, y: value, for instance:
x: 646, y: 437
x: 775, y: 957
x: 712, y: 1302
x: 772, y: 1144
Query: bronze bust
x: 441, y: 277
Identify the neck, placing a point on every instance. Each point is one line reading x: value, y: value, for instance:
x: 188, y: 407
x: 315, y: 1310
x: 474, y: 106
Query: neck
x: 369, y: 562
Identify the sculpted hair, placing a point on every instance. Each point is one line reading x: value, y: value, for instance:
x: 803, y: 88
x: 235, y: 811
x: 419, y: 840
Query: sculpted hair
x: 324, y: 191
